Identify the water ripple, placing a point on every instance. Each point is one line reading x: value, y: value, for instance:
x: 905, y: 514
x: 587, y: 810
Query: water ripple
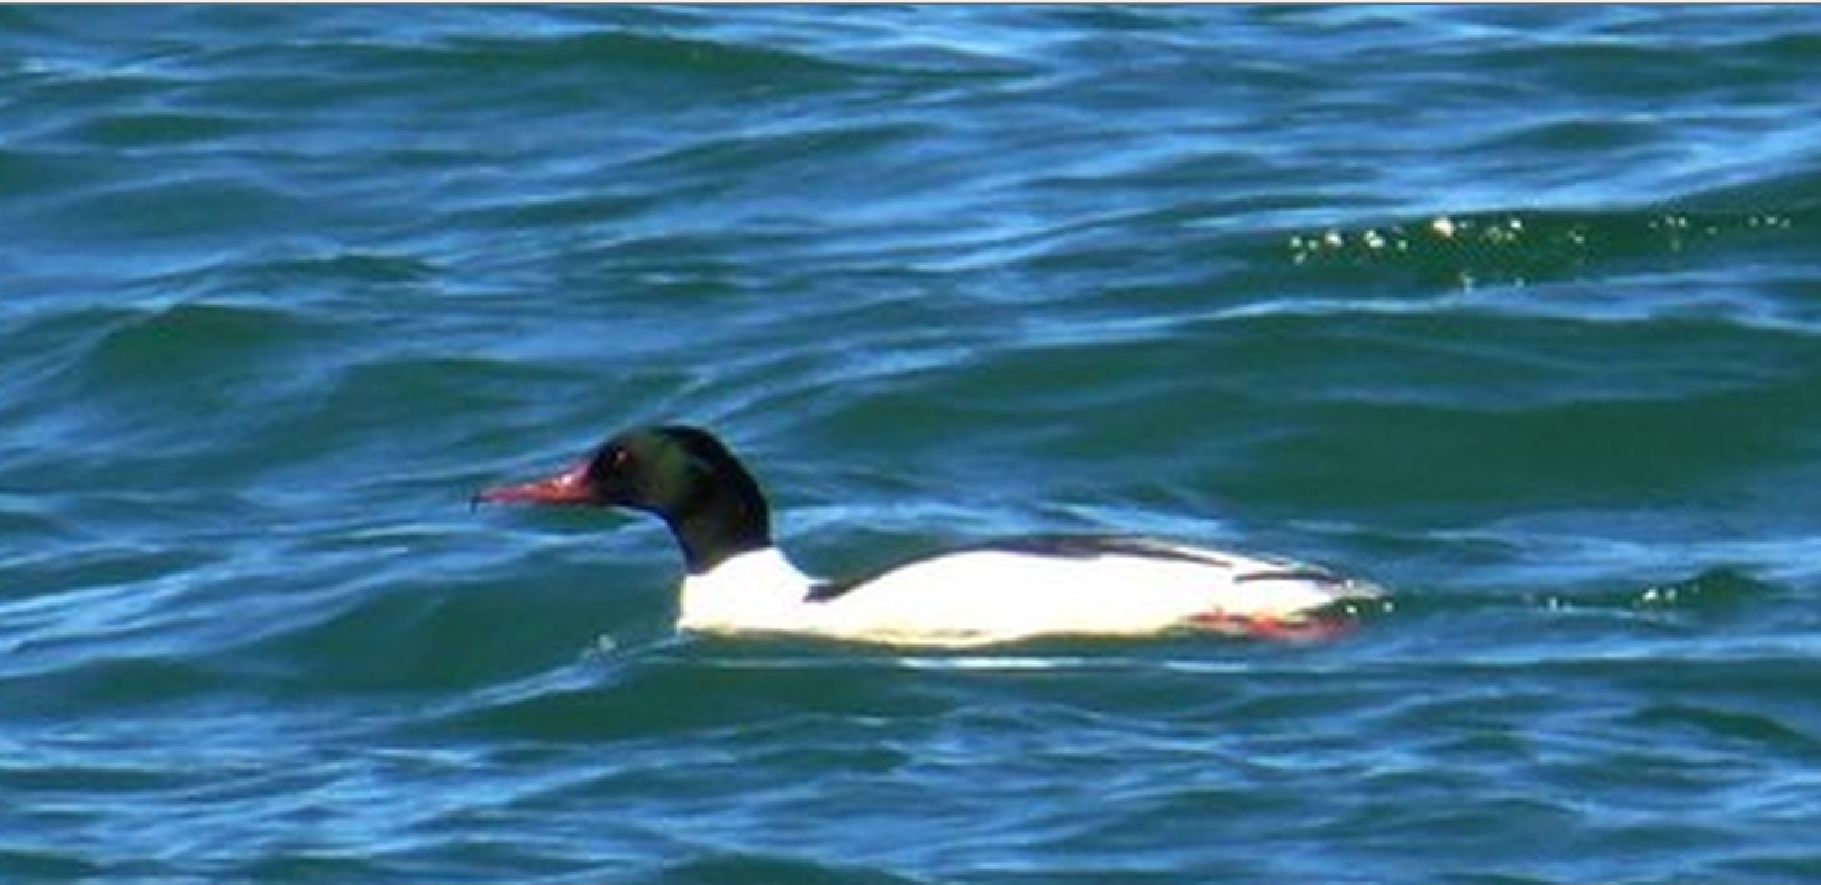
x: 1511, y: 309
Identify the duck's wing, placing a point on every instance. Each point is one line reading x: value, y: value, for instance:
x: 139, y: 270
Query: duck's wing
x: 1242, y: 568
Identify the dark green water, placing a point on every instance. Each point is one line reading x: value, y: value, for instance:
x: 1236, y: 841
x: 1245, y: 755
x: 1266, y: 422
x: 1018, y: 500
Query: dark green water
x: 1514, y: 310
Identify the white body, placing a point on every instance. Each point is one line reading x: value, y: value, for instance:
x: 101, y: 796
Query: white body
x: 984, y: 596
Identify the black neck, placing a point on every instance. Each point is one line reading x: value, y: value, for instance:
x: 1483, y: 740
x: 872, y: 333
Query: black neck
x: 727, y: 518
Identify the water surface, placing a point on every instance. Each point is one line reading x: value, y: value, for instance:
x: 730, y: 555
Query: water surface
x: 1511, y: 309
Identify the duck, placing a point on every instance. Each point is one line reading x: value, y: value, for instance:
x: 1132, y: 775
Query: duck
x: 738, y: 583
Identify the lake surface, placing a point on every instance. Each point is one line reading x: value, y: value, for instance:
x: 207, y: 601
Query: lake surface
x: 1515, y: 311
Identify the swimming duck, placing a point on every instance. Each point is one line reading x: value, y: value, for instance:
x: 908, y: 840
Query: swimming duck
x: 738, y: 582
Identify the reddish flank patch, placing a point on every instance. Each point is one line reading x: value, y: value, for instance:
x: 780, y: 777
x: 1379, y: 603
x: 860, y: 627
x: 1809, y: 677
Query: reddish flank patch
x: 1270, y: 628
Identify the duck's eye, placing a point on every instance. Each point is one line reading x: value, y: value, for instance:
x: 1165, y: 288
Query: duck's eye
x: 619, y: 459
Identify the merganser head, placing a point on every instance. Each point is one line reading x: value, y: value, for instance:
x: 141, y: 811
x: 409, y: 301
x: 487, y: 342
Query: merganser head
x: 683, y: 475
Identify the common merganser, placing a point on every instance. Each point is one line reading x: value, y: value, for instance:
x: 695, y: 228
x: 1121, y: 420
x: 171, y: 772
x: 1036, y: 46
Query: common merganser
x: 1057, y: 585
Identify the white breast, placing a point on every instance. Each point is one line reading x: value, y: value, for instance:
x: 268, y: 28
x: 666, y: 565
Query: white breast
x: 760, y: 591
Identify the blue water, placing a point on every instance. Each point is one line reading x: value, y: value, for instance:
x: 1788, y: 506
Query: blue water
x: 1514, y: 310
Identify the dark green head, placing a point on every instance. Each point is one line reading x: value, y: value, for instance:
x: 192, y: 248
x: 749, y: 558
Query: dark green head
x: 682, y: 474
